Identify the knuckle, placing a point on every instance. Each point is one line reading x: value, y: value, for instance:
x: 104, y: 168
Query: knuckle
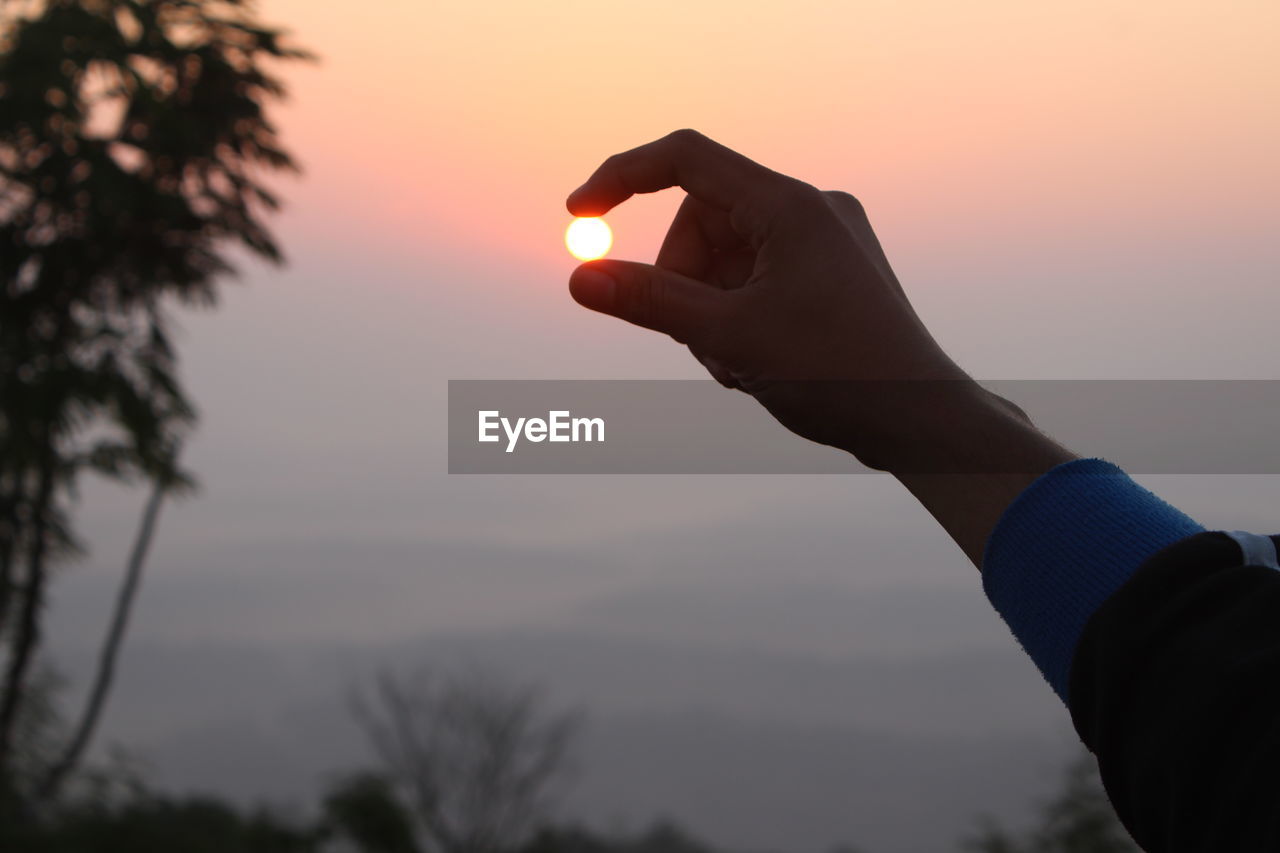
x: 686, y: 137
x: 801, y: 192
x: 781, y: 201
x: 612, y: 163
x: 806, y: 200
x: 845, y: 202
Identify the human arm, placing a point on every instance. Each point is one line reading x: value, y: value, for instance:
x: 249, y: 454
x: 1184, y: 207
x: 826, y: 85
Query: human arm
x: 1167, y: 654
x: 784, y: 292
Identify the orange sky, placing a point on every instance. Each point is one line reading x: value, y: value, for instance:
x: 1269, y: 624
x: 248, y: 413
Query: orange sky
x: 1027, y: 165
x: 470, y: 121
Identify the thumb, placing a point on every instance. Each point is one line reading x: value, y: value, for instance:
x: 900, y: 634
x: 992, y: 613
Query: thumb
x: 665, y: 301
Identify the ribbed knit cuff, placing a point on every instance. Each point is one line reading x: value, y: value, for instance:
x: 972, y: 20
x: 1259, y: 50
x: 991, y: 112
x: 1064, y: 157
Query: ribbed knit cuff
x: 1064, y: 545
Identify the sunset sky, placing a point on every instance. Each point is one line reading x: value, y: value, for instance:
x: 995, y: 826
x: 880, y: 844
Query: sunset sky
x: 1066, y: 190
x: 1025, y: 163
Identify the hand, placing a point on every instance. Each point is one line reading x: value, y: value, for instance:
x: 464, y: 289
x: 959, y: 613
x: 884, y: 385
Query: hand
x: 778, y: 289
x: 783, y: 291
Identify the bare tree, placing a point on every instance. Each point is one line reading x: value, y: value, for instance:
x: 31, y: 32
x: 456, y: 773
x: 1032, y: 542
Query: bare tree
x: 475, y: 757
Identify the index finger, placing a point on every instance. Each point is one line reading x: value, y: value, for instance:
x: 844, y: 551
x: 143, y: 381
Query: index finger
x: 707, y: 170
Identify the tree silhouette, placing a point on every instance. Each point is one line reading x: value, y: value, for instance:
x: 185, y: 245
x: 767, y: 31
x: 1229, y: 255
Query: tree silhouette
x: 661, y: 837
x: 474, y: 757
x: 1079, y: 819
x: 147, y: 823
x: 365, y: 810
x: 133, y: 142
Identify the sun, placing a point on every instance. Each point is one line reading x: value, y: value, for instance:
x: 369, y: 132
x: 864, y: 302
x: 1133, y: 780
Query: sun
x: 588, y: 238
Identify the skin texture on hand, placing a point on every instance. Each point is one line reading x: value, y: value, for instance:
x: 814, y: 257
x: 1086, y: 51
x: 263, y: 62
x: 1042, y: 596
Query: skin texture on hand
x: 783, y: 291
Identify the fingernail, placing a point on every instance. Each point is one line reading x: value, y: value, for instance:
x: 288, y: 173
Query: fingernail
x: 592, y: 288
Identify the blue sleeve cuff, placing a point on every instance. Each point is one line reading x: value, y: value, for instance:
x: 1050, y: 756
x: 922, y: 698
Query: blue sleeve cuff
x: 1071, y: 539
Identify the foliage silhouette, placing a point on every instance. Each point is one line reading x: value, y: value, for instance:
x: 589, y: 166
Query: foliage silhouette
x: 133, y: 145
x: 1079, y: 819
x: 662, y: 837
x: 365, y: 810
x: 150, y: 824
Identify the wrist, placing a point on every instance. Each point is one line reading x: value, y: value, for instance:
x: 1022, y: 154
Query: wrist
x: 993, y: 447
x: 952, y: 426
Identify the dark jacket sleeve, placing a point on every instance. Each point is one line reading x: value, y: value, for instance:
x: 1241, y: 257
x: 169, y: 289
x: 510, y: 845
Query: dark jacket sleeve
x: 1175, y: 687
